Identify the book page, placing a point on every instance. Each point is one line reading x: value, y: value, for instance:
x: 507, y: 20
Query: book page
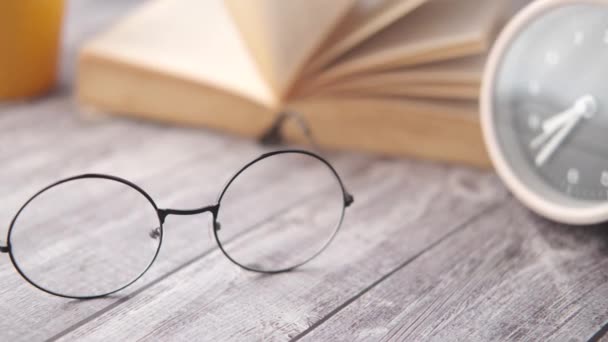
x: 427, y: 91
x: 283, y: 35
x: 438, y: 30
x: 365, y: 19
x: 190, y: 39
x: 461, y: 71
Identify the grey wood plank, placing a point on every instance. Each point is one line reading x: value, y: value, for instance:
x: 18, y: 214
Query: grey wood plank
x: 211, y: 299
x: 508, y: 276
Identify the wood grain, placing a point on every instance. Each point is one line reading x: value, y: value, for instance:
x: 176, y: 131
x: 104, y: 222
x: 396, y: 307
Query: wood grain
x: 525, y: 279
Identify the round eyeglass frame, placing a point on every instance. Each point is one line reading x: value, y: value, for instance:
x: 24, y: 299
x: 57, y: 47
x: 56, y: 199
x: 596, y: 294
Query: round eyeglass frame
x: 125, y: 182
x: 347, y: 201
x: 163, y: 213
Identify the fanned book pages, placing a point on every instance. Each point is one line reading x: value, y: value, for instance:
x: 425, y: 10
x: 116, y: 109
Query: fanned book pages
x: 396, y: 77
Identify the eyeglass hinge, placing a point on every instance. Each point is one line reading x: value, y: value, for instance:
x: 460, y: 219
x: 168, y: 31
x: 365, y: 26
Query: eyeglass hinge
x: 273, y: 135
x: 348, y: 199
x: 4, y: 249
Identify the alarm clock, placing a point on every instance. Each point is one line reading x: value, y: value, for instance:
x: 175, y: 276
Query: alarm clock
x: 544, y: 109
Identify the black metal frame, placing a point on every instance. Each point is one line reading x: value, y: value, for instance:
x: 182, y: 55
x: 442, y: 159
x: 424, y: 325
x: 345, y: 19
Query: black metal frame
x: 164, y: 213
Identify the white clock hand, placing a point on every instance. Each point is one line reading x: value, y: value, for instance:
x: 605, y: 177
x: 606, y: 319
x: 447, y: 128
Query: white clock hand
x: 543, y: 137
x: 585, y: 106
x: 556, y: 141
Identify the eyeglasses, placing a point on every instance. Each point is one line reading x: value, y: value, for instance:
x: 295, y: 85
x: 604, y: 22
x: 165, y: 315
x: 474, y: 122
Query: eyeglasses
x: 93, y: 235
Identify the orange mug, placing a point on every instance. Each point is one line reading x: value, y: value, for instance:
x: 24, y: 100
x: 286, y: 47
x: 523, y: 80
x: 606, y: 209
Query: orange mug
x: 29, y: 46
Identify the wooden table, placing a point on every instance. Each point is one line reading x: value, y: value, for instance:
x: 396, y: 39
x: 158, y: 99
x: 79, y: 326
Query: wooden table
x: 428, y: 251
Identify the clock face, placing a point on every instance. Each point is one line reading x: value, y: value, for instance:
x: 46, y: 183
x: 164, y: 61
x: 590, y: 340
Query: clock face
x: 550, y: 103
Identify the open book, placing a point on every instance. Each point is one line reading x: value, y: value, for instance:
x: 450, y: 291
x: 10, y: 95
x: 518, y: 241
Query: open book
x: 398, y: 77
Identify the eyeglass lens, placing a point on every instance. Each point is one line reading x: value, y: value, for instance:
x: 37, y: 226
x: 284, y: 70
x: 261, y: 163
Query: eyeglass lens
x: 85, y: 237
x: 286, y: 222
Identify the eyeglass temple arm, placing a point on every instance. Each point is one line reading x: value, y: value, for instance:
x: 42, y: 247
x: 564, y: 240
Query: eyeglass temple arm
x: 4, y: 248
x: 274, y: 137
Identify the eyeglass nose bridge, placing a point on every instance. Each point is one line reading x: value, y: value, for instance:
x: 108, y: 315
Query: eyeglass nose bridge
x: 163, y: 213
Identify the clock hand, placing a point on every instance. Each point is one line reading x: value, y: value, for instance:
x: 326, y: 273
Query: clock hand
x: 554, y: 127
x: 543, y: 137
x: 584, y: 106
x: 556, y: 141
